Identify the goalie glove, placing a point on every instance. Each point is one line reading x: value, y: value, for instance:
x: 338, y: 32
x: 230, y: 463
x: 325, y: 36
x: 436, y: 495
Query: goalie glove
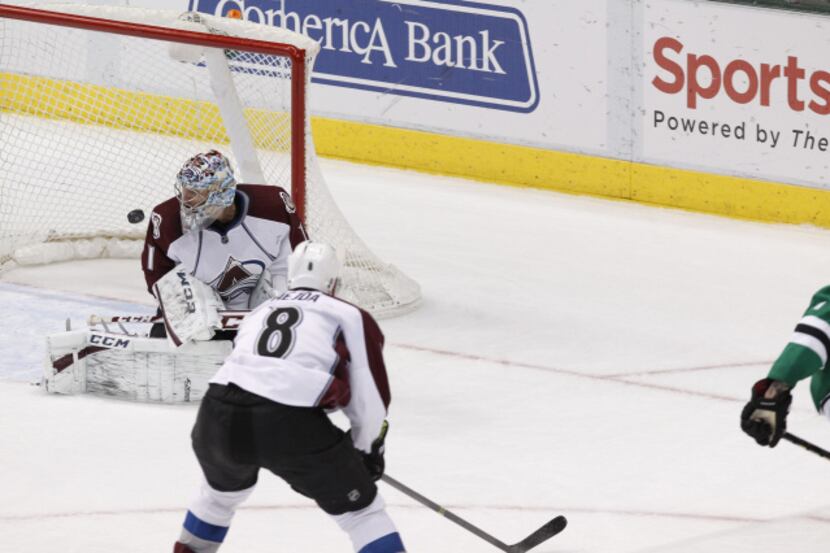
x: 268, y: 287
x: 764, y: 418
x: 189, y: 307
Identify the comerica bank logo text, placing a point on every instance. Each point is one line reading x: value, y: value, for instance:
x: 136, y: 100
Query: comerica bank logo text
x: 466, y: 53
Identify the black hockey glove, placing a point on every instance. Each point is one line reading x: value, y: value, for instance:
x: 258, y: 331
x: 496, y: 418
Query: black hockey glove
x: 765, y: 416
x: 374, y: 460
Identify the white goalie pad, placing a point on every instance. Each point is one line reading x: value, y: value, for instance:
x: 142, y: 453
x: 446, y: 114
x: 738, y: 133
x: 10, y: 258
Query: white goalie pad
x: 131, y: 367
x: 189, y: 307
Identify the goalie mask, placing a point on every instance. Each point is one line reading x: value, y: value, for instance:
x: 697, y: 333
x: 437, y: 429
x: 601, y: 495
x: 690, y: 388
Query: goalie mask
x: 314, y: 265
x: 205, y: 186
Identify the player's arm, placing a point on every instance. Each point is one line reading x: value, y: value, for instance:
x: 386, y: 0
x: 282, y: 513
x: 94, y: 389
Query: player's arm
x: 368, y: 381
x: 764, y: 417
x: 163, y: 229
x: 277, y: 271
x: 807, y: 351
x: 273, y: 281
x: 297, y: 233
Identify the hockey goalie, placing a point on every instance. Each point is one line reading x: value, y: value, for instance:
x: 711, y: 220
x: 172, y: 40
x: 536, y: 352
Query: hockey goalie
x: 215, y: 246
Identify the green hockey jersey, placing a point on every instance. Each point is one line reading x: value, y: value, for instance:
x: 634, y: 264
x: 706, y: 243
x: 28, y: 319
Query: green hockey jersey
x: 806, y: 354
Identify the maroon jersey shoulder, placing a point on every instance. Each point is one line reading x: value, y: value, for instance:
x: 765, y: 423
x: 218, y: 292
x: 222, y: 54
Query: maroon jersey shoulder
x: 374, y: 352
x: 275, y: 204
x: 165, y: 224
x: 269, y: 202
x: 339, y: 392
x: 370, y: 325
x: 164, y: 228
x: 373, y: 342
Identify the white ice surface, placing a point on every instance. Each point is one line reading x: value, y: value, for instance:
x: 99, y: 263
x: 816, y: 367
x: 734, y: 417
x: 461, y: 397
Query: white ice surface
x: 572, y: 356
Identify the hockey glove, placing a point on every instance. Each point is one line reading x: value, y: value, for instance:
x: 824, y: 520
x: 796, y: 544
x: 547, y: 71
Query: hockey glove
x: 374, y: 459
x: 765, y: 416
x: 190, y: 307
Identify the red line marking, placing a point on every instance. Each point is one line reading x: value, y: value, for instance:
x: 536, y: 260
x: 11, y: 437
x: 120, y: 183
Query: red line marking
x: 694, y: 369
x: 570, y: 372
x: 708, y: 395
x: 531, y: 509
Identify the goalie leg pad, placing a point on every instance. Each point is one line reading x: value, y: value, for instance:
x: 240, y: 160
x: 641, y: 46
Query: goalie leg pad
x: 131, y: 367
x: 65, y: 367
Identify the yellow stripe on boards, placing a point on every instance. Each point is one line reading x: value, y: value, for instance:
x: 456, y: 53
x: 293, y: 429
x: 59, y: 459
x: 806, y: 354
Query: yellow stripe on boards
x: 731, y: 196
x: 130, y: 110
x: 475, y: 159
x: 111, y: 107
x: 573, y: 173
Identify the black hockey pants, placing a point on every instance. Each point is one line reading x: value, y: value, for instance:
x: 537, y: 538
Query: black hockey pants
x: 237, y: 433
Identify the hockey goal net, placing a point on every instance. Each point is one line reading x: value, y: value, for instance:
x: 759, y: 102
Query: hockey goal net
x: 100, y: 107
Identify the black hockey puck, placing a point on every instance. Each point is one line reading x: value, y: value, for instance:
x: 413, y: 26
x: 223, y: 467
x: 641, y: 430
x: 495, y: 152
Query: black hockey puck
x: 135, y: 216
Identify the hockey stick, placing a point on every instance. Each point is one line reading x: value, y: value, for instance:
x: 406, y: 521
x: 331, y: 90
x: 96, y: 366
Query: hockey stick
x: 806, y: 445
x: 97, y: 319
x: 547, y: 531
x: 230, y: 319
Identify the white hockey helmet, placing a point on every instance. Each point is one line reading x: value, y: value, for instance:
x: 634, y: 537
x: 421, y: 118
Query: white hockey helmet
x: 314, y: 265
x: 205, y: 186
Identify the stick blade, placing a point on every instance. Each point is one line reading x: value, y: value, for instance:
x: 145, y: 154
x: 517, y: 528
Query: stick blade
x: 544, y: 533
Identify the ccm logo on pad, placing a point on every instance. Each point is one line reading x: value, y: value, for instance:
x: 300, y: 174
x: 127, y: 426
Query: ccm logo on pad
x: 108, y: 341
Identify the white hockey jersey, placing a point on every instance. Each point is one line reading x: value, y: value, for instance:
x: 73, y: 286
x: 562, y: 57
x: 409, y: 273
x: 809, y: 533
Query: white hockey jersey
x: 309, y: 349
x: 230, y: 258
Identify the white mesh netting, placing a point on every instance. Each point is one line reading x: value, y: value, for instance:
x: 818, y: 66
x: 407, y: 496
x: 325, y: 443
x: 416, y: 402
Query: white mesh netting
x: 94, y: 125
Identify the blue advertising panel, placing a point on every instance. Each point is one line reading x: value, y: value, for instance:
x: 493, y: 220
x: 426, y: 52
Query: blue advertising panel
x: 460, y: 52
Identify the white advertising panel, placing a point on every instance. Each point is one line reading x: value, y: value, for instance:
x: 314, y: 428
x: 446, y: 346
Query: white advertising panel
x: 508, y: 71
x: 708, y: 86
x: 737, y: 90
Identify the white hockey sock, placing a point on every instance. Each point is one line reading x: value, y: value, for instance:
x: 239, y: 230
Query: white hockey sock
x: 209, y: 518
x: 371, y: 530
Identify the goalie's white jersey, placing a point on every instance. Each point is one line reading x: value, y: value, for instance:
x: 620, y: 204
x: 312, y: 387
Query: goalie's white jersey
x: 309, y: 349
x: 229, y: 258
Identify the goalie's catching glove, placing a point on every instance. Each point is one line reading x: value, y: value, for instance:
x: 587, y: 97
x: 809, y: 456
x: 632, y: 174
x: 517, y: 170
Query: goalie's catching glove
x: 765, y: 416
x: 189, y: 306
x: 374, y: 459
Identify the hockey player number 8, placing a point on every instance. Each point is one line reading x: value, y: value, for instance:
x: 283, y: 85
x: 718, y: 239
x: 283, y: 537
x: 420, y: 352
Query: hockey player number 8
x: 277, y: 338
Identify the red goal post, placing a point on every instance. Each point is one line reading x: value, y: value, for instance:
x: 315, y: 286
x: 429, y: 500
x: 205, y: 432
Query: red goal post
x: 98, y: 112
